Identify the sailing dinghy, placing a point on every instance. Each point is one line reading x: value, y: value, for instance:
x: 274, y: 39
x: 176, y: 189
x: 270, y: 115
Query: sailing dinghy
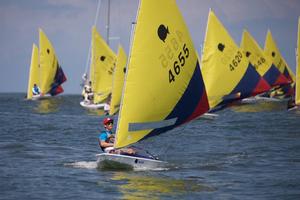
x: 163, y: 86
x: 45, y: 70
x: 102, y: 61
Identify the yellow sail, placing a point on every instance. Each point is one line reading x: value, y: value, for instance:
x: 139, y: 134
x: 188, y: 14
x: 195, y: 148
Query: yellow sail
x: 102, y: 67
x: 163, y: 85
x: 261, y: 62
x: 48, y: 63
x: 118, y: 81
x: 34, y: 71
x: 272, y: 51
x: 255, y: 54
x: 297, y: 96
x: 223, y: 63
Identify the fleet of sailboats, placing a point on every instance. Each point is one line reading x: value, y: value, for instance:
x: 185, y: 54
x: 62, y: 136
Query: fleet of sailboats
x: 162, y: 84
x: 227, y: 72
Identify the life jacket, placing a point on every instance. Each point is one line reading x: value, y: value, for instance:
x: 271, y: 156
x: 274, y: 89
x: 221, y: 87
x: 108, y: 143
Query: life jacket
x: 107, y: 139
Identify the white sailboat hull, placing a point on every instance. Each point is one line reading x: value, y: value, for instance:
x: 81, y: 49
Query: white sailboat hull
x: 40, y: 97
x: 91, y: 105
x: 209, y: 116
x: 258, y: 99
x: 113, y: 161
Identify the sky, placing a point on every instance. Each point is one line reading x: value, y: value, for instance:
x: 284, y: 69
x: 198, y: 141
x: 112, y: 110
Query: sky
x: 68, y: 23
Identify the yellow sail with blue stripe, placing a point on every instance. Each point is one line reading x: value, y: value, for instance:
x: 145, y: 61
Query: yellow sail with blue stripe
x: 48, y: 62
x: 261, y: 62
x: 227, y: 73
x: 163, y: 83
x: 118, y: 81
x: 51, y: 74
x: 102, y: 67
x: 34, y: 71
x: 297, y: 95
x: 274, y: 54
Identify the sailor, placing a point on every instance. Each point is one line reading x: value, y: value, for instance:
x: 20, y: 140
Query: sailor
x: 87, y: 92
x: 106, y: 139
x: 36, y: 90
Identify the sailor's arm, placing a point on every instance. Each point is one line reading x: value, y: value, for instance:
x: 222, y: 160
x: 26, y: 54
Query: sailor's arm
x: 104, y: 144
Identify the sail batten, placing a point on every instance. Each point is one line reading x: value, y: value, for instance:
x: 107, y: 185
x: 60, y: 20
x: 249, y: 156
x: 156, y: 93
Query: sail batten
x: 151, y: 125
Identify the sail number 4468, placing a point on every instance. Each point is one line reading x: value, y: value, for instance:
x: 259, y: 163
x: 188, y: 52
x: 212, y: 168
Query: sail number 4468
x: 180, y: 62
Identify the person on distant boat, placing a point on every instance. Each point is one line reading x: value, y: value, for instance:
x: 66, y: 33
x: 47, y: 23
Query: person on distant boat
x: 87, y: 92
x: 36, y: 90
x: 106, y: 139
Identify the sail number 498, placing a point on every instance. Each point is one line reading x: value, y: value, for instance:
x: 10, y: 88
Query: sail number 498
x: 179, y: 63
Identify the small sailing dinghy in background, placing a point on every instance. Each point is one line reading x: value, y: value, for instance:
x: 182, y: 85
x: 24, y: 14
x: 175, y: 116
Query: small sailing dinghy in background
x: 163, y: 86
x: 45, y: 70
x: 102, y: 61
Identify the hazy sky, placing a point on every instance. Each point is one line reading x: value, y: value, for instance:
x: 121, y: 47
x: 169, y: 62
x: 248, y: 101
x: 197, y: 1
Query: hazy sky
x: 68, y: 24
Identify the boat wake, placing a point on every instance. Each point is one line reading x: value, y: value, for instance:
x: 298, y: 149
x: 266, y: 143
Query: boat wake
x: 82, y: 164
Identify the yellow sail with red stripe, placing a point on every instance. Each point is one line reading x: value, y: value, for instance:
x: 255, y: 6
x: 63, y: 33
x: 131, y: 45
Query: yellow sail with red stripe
x: 118, y: 81
x: 297, y: 95
x: 272, y: 51
x: 163, y: 85
x: 262, y: 63
x: 34, y: 71
x: 227, y: 73
x: 102, y: 67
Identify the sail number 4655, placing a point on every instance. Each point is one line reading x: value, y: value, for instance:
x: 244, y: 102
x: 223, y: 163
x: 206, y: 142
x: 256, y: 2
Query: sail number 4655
x: 178, y: 63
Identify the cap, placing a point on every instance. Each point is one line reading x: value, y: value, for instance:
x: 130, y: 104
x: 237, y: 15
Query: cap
x: 108, y: 120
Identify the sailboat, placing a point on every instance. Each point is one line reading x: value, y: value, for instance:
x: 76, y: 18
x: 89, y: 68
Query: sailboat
x: 261, y: 62
x: 227, y: 73
x: 295, y: 103
x: 274, y: 54
x: 163, y: 86
x: 118, y: 81
x: 264, y: 66
x: 102, y: 64
x: 45, y: 70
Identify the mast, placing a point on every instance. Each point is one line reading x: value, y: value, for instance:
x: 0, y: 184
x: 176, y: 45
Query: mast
x: 108, y: 22
x: 88, y: 60
x: 128, y: 59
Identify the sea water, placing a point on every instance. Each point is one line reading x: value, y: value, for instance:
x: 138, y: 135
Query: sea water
x: 48, y: 148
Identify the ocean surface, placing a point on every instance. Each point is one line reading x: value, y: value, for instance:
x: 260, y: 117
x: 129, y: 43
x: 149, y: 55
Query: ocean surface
x: 48, y: 148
